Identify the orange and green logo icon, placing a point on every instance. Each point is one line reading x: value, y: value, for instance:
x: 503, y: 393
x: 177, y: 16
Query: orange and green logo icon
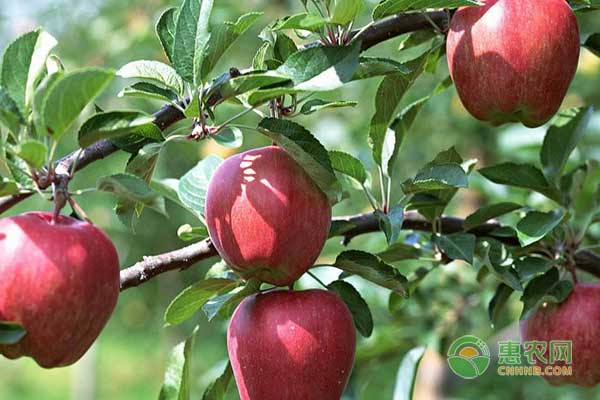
x: 468, y: 357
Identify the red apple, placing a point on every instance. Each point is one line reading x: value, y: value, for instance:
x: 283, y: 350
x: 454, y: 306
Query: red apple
x: 513, y: 60
x: 60, y: 281
x: 287, y: 345
x: 576, y: 319
x: 265, y: 215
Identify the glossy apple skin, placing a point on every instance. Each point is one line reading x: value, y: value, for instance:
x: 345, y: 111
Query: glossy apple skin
x: 513, y: 60
x: 287, y: 345
x: 60, y: 281
x: 576, y: 319
x: 265, y: 215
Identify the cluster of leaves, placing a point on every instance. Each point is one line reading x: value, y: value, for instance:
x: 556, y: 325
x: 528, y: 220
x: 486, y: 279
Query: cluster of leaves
x: 39, y: 102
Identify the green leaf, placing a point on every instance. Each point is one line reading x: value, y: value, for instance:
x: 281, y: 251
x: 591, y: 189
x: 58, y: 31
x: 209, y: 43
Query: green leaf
x: 153, y: 71
x: 225, y: 304
x: 176, y: 385
x: 592, y: 43
x: 361, y: 314
x: 23, y: 63
x: 348, y: 165
x: 529, y: 267
x: 168, y: 189
x: 399, y: 252
x: 371, y: 268
x: 229, y: 88
x: 566, y: 131
x: 10, y: 116
x: 191, y: 36
x: 391, y: 90
x: 339, y: 228
x: 391, y: 7
x: 193, y: 185
x: 370, y: 67
x: 436, y: 177
x: 407, y: 374
x: 544, y: 288
x: 315, y: 105
x: 498, y: 302
x: 39, y: 99
x: 497, y: 260
x: 346, y: 11
x: 524, y: 176
x: 165, y: 30
x: 231, y: 137
x: 221, y: 39
x: 192, y: 298
x: 70, y: 94
x: 218, y: 388
x: 489, y: 212
x: 110, y: 125
x: 322, y: 68
x: 457, y: 246
x: 305, y: 149
x: 147, y: 90
x: 189, y: 233
x: 302, y: 21
x: 131, y: 188
x: 8, y: 187
x: 32, y: 152
x: 391, y: 223
x: 11, y: 333
x: 536, y: 225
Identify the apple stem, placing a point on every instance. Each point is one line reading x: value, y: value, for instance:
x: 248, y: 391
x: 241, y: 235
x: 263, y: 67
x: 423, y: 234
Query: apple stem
x: 77, y: 208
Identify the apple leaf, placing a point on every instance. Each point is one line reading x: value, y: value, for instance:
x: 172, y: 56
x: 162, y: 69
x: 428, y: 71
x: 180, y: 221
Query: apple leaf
x: 191, y: 36
x: 225, y: 304
x: 228, y: 88
x: 315, y: 105
x: 306, y: 150
x: 567, y: 129
x: 323, y: 67
x: 400, y: 251
x: 302, y: 21
x: 69, y: 95
x: 371, y: 268
x: 339, y: 228
x: 231, y: 137
x: 545, y: 288
x: 457, y: 246
x: 189, y: 233
x: 148, y: 90
x: 498, y: 302
x: 437, y: 177
x: 407, y: 374
x: 389, y: 94
x: 391, y: 7
x: 361, y: 314
x: 194, y: 184
x: 217, y: 389
x: 489, y: 212
x: 8, y: 187
x: 111, y: 124
x: 346, y: 11
x: 33, y: 152
x: 192, y: 298
x: 23, y: 63
x: 10, y: 116
x: 348, y: 165
x: 496, y: 260
x: 525, y: 176
x: 536, y: 225
x: 176, y: 385
x: 592, y: 43
x: 131, y: 188
x: 221, y: 39
x: 391, y: 223
x: 154, y: 72
x: 165, y: 30
x: 11, y: 333
x: 529, y: 267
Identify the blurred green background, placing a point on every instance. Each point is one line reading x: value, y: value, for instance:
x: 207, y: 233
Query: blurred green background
x: 128, y: 360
